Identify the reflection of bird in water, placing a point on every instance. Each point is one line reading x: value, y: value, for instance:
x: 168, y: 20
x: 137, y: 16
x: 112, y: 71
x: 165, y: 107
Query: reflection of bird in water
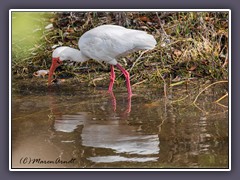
x: 119, y: 137
x: 105, y: 43
x: 68, y: 123
x: 114, y: 104
x: 111, y: 134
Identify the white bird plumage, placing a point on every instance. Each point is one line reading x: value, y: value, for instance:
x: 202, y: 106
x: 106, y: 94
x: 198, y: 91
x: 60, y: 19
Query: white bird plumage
x: 105, y: 43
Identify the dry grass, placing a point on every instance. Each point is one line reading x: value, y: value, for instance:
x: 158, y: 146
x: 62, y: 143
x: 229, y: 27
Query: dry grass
x: 190, y: 45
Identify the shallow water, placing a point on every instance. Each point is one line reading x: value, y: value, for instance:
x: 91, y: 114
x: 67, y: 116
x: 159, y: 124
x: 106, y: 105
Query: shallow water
x: 92, y: 129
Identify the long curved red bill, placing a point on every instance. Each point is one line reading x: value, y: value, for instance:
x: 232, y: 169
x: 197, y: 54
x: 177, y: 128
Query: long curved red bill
x: 55, y: 63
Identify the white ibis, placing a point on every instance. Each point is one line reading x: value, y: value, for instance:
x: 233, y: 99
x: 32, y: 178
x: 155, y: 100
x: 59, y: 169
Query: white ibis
x: 105, y: 43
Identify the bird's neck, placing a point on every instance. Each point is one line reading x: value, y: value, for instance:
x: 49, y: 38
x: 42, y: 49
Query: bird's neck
x: 78, y: 56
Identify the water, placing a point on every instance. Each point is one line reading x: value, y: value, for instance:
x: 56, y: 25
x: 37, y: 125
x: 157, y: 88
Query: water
x: 88, y: 128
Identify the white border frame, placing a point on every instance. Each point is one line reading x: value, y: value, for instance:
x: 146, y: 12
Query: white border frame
x: 112, y: 10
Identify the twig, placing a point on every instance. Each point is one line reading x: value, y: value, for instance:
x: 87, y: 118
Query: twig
x: 178, y: 83
x: 165, y: 14
x: 226, y: 61
x: 139, y: 82
x: 194, y: 102
x: 178, y: 100
x: 221, y: 105
x: 97, y: 79
x: 217, y: 101
x: 205, y: 112
x: 159, y: 22
x: 164, y: 83
x: 221, y: 98
x: 137, y: 60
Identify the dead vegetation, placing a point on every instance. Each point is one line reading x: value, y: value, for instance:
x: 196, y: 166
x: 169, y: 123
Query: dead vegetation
x: 191, y: 45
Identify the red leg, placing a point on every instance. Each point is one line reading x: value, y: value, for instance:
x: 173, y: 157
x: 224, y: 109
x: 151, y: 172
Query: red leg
x: 112, y: 79
x: 129, y: 106
x: 114, y: 102
x: 126, y: 74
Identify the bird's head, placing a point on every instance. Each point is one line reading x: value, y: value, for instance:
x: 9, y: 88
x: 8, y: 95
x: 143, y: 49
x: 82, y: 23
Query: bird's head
x: 58, y: 56
x: 61, y: 54
x: 56, y: 61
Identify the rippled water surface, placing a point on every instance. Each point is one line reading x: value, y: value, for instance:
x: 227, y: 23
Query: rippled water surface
x: 92, y: 129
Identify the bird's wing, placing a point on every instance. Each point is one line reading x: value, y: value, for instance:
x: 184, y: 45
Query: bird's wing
x: 111, y: 42
x: 97, y: 48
